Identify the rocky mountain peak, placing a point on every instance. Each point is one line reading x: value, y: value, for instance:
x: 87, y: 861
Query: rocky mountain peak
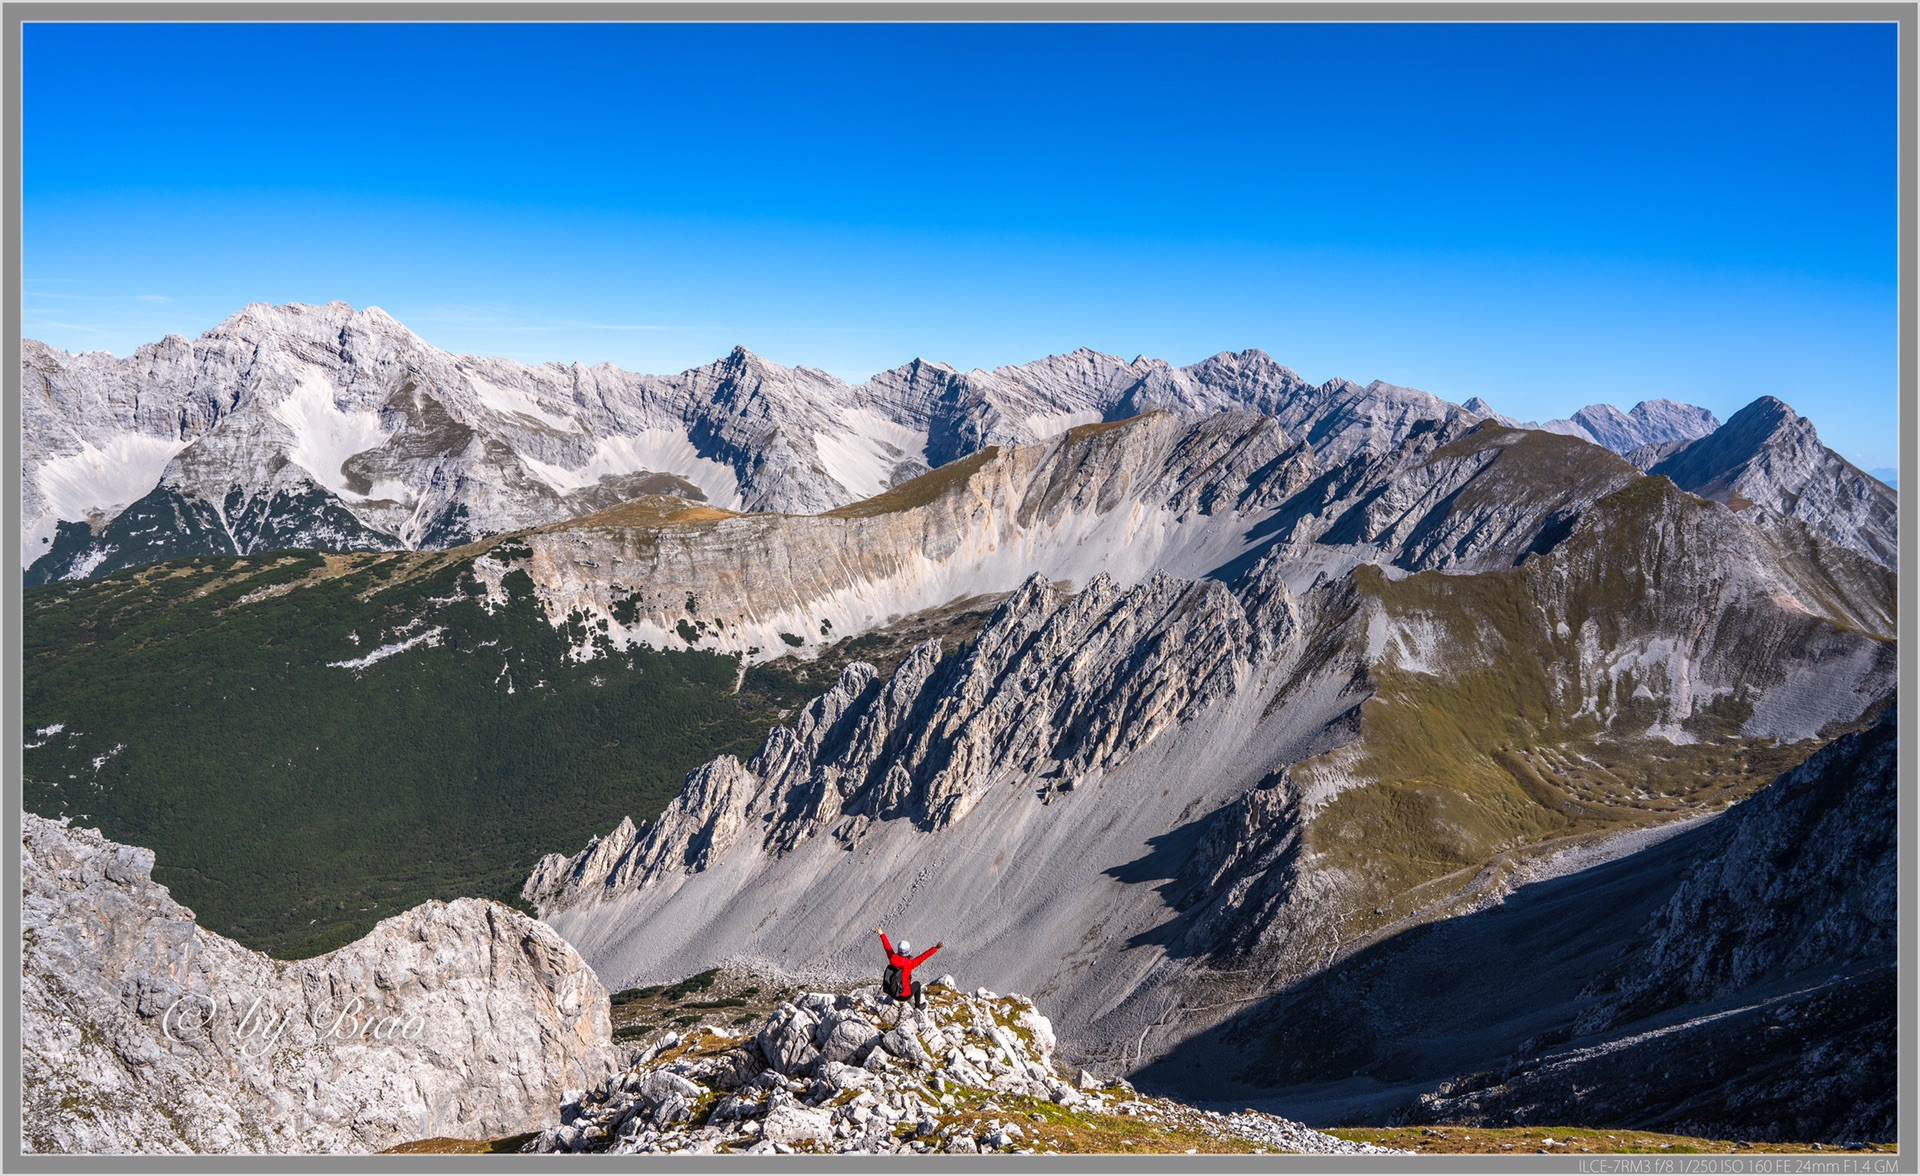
x: 1760, y: 420
x: 1770, y: 456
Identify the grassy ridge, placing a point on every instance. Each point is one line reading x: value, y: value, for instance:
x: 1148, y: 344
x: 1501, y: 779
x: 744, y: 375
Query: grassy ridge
x: 293, y: 803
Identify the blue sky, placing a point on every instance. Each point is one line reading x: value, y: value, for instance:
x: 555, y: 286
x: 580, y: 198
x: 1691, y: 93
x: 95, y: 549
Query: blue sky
x: 1543, y: 215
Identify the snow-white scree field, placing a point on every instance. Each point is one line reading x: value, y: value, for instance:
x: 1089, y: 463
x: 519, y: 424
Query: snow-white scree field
x: 855, y: 1073
x: 423, y: 449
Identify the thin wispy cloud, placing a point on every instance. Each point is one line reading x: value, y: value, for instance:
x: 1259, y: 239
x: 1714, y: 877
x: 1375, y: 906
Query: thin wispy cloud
x: 568, y: 326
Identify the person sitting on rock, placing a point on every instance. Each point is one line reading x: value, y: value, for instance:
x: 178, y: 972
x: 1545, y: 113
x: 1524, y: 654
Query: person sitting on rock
x: 898, y: 982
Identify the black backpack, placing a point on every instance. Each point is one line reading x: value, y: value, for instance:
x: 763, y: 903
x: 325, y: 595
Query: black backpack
x: 890, y: 982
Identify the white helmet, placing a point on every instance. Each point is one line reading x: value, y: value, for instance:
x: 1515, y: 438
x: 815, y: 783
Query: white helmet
x: 906, y: 948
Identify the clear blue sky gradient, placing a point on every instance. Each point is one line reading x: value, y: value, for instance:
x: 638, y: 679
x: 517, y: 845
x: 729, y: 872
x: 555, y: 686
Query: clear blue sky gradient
x: 1544, y: 215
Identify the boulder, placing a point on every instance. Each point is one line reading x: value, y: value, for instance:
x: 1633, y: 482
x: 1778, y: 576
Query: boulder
x: 787, y: 1040
x: 790, y: 1123
x: 845, y: 1036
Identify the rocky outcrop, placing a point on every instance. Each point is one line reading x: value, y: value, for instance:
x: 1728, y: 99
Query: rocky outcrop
x: 853, y: 1073
x: 140, y: 1032
x: 1769, y: 456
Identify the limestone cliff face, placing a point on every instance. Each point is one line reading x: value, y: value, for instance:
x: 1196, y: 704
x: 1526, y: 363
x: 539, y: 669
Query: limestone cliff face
x: 1157, y: 493
x: 140, y: 1032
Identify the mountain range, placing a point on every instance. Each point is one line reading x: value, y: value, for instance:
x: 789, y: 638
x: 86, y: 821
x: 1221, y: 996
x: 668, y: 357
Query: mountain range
x: 1202, y: 704
x: 322, y: 426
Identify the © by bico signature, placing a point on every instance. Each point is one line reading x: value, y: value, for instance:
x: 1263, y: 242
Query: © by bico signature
x: 263, y: 1027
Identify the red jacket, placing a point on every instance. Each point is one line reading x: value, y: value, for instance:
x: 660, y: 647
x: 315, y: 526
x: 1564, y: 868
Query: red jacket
x: 905, y: 965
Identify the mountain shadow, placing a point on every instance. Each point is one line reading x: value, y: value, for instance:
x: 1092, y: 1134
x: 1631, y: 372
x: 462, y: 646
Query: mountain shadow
x: 1630, y: 994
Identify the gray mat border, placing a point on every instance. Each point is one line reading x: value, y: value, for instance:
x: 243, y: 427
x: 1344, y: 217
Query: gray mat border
x: 1906, y: 15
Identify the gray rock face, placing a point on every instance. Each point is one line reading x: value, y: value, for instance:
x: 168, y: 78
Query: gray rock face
x: 1480, y: 500
x: 1769, y: 456
x: 1055, y: 687
x: 142, y: 1033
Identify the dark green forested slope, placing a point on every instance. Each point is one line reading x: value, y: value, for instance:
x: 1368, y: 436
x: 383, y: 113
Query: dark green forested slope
x: 292, y: 803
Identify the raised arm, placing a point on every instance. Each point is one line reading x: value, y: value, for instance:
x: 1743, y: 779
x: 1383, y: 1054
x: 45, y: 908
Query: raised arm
x: 926, y: 955
x: 885, y: 943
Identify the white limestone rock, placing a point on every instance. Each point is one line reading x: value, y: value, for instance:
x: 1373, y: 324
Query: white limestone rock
x: 140, y: 1032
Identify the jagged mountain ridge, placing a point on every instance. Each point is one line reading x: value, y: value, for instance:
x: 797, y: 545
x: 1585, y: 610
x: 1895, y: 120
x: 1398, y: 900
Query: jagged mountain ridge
x: 1194, y: 498
x: 322, y: 426
x: 345, y: 430
x: 1648, y: 423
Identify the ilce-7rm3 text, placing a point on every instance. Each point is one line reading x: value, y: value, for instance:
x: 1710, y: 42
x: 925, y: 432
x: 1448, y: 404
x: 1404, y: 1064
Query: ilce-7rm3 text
x: 1743, y: 1165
